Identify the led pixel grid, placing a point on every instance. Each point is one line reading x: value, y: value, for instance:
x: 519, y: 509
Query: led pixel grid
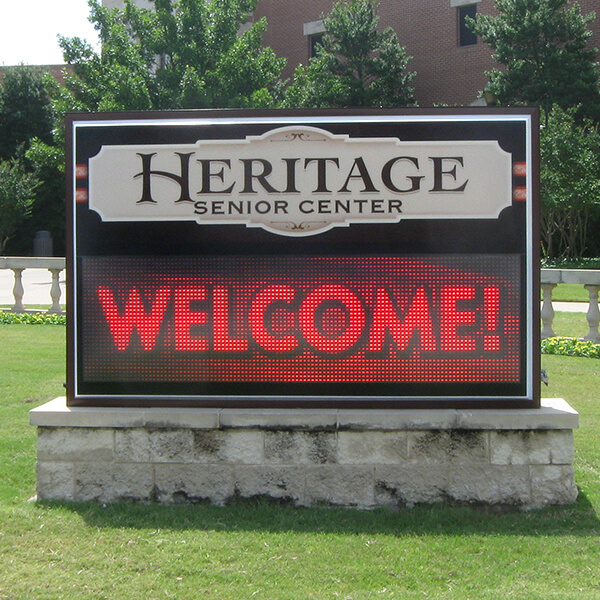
x: 302, y: 319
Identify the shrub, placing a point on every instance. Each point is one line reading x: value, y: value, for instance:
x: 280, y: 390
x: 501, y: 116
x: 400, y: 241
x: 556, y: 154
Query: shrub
x: 36, y: 318
x: 565, y: 346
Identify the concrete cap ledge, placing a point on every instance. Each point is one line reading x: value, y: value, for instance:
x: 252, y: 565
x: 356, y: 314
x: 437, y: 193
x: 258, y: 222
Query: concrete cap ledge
x: 31, y: 262
x: 56, y: 413
x: 578, y: 276
x: 555, y: 413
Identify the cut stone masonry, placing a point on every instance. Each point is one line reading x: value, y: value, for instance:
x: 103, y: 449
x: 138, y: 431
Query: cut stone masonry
x: 359, y: 458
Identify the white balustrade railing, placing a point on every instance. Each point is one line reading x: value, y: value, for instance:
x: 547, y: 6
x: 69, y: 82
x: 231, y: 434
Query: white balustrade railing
x: 18, y: 264
x: 550, y: 278
x: 590, y: 280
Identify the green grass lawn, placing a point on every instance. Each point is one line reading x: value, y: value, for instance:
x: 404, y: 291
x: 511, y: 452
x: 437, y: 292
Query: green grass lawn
x: 570, y: 324
x: 567, y: 292
x: 62, y: 551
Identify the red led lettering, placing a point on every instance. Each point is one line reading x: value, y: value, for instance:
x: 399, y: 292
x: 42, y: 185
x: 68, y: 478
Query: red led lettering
x: 491, y: 307
x: 221, y: 340
x: 134, y: 317
x: 306, y: 320
x: 330, y: 318
x: 185, y: 319
x: 416, y: 318
x: 452, y: 318
x: 327, y: 342
x: 264, y: 300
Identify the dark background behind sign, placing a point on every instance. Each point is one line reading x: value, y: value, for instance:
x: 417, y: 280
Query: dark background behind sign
x: 505, y: 236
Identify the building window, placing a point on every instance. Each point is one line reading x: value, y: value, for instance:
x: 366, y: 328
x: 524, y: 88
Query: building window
x: 465, y: 36
x: 314, y: 31
x: 315, y: 41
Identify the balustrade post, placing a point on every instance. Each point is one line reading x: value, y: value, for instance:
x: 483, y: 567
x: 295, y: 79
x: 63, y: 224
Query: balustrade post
x: 593, y: 314
x: 547, y: 312
x: 18, y: 291
x: 55, y: 293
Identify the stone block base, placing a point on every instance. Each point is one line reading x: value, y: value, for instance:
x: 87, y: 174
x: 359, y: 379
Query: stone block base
x: 355, y: 458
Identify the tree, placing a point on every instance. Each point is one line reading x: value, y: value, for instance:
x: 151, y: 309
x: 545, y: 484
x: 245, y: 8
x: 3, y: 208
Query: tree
x: 188, y: 54
x: 26, y: 120
x: 570, y: 183
x: 356, y: 65
x: 17, y: 194
x: 542, y: 45
x: 25, y: 110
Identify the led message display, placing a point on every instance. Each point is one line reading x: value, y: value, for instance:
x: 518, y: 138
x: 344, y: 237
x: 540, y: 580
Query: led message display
x: 303, y: 259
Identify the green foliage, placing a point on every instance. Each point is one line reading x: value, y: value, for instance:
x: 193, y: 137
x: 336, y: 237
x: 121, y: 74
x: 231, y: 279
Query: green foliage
x: 565, y: 346
x: 570, y: 182
x: 580, y: 263
x: 542, y: 45
x: 36, y: 318
x: 356, y: 66
x: 17, y: 195
x: 26, y: 123
x: 48, y: 213
x: 189, y: 57
x: 25, y: 110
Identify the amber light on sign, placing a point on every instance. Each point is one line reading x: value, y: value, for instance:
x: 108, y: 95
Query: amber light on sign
x: 304, y: 319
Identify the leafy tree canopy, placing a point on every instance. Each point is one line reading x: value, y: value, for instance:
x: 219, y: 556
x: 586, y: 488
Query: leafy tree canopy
x: 25, y: 110
x: 26, y: 123
x: 543, y: 47
x: 570, y: 182
x: 356, y: 65
x: 185, y: 54
x: 17, y: 194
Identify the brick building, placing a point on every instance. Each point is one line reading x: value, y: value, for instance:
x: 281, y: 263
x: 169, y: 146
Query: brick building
x: 450, y: 63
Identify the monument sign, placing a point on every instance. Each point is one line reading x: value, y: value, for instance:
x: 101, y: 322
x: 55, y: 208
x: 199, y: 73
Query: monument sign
x: 306, y: 259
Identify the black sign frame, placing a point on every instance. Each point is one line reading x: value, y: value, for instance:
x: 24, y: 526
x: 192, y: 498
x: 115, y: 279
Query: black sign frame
x: 89, y: 238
